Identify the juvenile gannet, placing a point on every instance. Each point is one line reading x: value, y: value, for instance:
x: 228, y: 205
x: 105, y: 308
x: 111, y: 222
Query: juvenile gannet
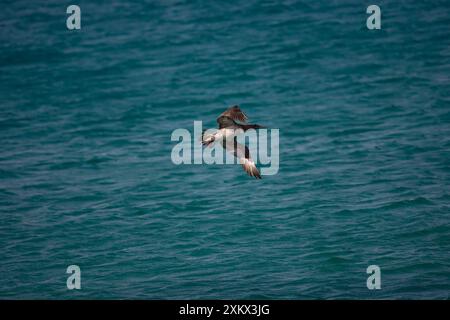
x: 229, y: 128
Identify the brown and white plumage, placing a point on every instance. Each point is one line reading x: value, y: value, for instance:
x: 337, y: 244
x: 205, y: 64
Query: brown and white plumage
x: 242, y: 152
x: 233, y: 122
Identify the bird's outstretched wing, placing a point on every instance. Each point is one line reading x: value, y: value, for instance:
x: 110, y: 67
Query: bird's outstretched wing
x: 234, y: 113
x: 241, y: 152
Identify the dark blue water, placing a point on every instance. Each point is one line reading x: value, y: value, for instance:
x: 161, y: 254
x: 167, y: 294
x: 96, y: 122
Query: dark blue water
x: 86, y: 176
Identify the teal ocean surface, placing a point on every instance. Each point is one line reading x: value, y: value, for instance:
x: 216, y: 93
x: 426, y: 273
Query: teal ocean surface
x: 86, y: 176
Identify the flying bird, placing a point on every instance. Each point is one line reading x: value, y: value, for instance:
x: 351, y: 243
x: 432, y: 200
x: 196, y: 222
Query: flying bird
x: 233, y: 122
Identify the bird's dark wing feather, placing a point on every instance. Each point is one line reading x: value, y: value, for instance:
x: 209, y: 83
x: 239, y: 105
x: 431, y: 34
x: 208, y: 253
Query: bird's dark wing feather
x: 235, y: 113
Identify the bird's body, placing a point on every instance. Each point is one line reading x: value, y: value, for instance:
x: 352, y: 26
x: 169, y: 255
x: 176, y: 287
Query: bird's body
x: 226, y: 135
